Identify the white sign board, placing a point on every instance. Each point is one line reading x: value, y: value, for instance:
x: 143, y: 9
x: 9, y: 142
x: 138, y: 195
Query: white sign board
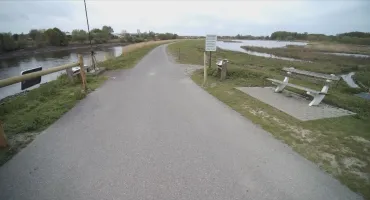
x: 211, y: 43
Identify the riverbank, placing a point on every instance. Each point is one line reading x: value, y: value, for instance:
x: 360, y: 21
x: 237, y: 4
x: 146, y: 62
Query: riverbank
x: 339, y: 146
x: 324, y: 62
x: 231, y: 41
x: 71, y: 47
x: 25, y: 115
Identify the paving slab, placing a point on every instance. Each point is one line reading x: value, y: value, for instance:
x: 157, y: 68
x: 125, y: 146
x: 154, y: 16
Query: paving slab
x: 294, y: 104
x: 151, y: 133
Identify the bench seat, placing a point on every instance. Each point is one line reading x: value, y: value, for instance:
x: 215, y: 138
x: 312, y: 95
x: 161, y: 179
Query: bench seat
x: 297, y: 86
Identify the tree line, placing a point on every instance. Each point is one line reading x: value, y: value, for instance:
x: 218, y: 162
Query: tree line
x: 55, y: 37
x: 245, y: 37
x: 356, y: 37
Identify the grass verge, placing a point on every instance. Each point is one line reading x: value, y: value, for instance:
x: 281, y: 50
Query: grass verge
x: 324, y: 62
x: 340, y: 146
x: 25, y: 115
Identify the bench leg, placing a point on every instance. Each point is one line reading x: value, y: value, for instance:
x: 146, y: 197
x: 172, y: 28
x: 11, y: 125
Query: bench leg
x: 281, y: 87
x: 316, y: 99
x: 325, y: 89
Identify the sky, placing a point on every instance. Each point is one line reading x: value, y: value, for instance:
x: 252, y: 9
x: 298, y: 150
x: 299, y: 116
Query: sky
x: 247, y: 17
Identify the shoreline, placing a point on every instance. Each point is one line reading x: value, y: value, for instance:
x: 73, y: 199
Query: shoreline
x: 30, y: 52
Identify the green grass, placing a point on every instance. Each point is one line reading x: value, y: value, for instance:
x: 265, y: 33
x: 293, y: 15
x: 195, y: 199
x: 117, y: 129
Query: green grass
x: 330, y: 143
x: 325, y: 62
x: 129, y: 60
x: 26, y: 115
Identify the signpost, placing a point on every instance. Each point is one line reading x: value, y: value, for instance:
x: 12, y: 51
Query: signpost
x: 211, y: 45
x: 31, y: 82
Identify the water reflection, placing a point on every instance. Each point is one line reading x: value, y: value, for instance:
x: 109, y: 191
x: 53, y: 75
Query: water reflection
x: 14, y: 66
x: 233, y: 46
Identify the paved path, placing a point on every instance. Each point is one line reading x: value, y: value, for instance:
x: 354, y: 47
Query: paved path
x: 151, y: 133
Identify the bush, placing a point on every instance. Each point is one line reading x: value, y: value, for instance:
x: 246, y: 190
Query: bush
x: 352, y: 90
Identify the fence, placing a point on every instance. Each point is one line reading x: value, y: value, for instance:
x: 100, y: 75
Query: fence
x: 17, y: 79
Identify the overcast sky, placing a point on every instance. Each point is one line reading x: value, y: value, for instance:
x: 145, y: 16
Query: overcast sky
x: 189, y: 17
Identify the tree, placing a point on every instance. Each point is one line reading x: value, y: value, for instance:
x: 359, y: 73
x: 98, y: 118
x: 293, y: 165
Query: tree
x: 7, y: 42
x: 56, y: 37
x: 40, y: 39
x: 107, y: 32
x: 167, y: 36
x: 97, y: 35
x: 15, y: 37
x: 79, y: 35
x: 33, y: 33
x: 151, y: 35
x: 108, y: 29
x: 128, y: 38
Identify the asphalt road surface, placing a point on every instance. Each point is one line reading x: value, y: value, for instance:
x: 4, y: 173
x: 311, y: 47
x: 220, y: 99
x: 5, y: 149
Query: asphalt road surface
x: 151, y: 133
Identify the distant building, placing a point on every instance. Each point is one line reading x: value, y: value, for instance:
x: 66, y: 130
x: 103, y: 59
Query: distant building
x: 119, y: 35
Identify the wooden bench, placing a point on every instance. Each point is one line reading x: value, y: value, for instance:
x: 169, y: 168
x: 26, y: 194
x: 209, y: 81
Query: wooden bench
x: 318, y: 96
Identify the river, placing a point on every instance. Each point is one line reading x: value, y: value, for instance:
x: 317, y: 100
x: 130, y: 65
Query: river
x: 236, y: 46
x: 13, y: 66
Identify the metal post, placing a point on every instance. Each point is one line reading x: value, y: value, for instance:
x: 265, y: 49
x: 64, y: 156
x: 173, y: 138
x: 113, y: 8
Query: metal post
x: 3, y: 142
x: 205, y: 68
x: 70, y: 74
x: 210, y: 59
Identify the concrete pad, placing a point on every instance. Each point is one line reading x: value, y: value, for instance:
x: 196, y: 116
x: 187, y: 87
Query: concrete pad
x: 293, y: 104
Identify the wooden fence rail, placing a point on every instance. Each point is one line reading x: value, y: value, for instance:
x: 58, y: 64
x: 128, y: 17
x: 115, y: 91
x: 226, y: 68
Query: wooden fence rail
x: 17, y: 79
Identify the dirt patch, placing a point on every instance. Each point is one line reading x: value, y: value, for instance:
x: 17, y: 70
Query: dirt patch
x: 350, y: 162
x: 213, y: 85
x: 327, y: 160
x: 360, y: 140
x: 230, y: 92
x: 298, y: 132
x: 18, y: 140
x: 362, y: 175
x: 331, y: 159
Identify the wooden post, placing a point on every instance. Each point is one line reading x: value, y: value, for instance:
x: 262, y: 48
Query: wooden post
x: 205, y: 68
x: 223, y: 70
x: 179, y: 54
x: 82, y: 73
x: 3, y: 142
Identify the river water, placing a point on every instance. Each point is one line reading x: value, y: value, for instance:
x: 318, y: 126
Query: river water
x: 14, y: 66
x: 236, y: 46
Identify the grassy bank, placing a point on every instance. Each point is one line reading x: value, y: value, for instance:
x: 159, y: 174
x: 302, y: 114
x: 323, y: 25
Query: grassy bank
x: 326, y: 63
x: 26, y: 115
x: 339, y: 146
x: 131, y: 55
x: 339, y: 48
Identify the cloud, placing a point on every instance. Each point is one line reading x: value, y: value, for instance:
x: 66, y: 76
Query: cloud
x: 189, y: 17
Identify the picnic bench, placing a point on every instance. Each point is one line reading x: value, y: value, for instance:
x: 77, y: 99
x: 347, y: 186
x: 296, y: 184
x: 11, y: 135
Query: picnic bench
x: 318, y: 96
